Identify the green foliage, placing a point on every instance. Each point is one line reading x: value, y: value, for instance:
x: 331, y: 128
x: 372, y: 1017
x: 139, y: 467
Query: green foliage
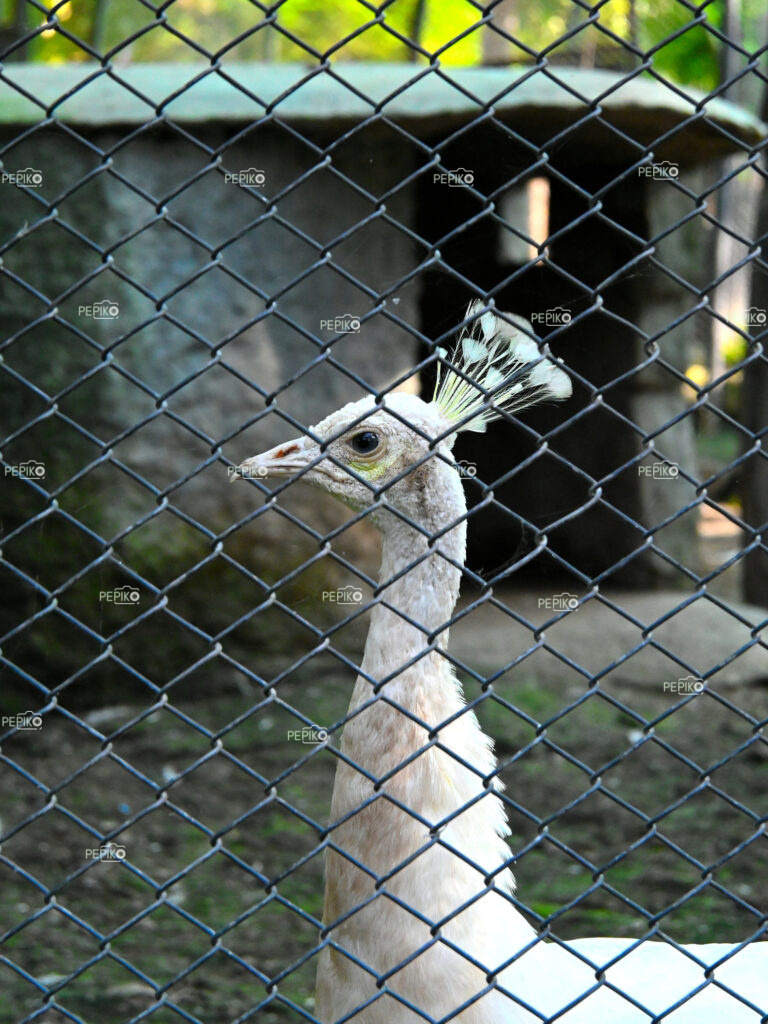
x: 734, y: 349
x: 687, y: 52
x: 450, y: 30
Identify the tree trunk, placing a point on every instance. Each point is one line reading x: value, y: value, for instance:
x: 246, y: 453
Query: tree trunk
x: 417, y: 27
x: 14, y: 30
x: 730, y: 60
x: 497, y: 49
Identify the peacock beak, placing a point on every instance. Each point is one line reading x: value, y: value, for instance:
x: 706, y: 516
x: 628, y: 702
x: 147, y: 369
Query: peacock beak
x: 282, y: 460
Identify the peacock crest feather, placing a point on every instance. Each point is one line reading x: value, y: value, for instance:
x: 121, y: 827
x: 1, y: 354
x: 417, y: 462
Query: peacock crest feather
x: 495, y: 368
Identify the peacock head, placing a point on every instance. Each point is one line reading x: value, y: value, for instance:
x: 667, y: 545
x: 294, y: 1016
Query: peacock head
x: 396, y: 451
x: 366, y: 452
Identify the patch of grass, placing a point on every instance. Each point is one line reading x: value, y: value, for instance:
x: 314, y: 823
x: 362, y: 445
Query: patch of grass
x: 246, y: 870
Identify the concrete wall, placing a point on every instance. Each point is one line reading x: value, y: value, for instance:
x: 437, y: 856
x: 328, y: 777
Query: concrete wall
x: 221, y: 292
x: 220, y: 296
x: 681, y: 253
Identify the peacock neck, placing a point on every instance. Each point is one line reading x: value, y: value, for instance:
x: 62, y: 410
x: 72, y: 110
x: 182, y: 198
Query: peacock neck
x: 419, y: 579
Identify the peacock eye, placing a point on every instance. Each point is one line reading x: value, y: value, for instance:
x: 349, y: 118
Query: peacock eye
x: 365, y: 442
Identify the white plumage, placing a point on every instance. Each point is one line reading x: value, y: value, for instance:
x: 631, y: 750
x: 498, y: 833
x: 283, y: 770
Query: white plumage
x: 420, y: 923
x: 496, y: 365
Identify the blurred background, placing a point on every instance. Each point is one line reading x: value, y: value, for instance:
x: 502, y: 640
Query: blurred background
x: 222, y: 220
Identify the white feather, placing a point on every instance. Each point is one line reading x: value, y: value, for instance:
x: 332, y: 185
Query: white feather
x: 526, y: 350
x: 473, y: 350
x: 495, y: 368
x: 488, y: 325
x: 552, y: 378
x: 493, y: 378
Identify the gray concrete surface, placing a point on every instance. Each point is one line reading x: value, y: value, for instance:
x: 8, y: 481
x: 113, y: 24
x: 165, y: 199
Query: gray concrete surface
x: 596, y: 635
x: 640, y: 105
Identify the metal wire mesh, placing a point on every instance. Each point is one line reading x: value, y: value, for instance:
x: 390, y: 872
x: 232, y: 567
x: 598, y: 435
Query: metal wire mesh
x: 166, y: 801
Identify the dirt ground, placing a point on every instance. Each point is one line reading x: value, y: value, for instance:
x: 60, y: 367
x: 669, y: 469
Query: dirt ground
x: 212, y: 913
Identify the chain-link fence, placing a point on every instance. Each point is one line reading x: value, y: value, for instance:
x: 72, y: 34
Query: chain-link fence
x: 222, y: 222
